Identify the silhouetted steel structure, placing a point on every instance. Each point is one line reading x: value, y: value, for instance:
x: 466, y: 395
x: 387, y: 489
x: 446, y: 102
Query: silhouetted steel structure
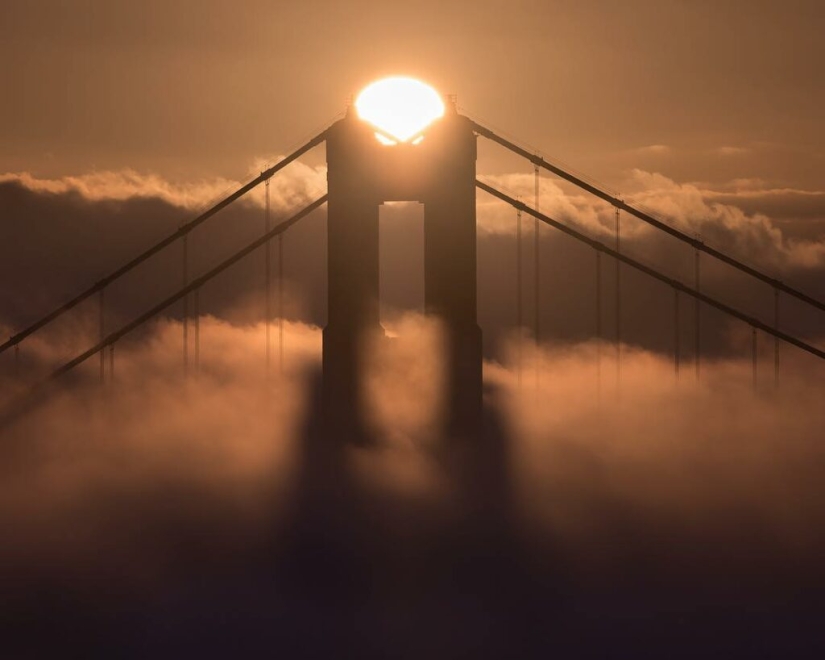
x: 363, y: 173
x: 755, y: 323
x: 439, y: 171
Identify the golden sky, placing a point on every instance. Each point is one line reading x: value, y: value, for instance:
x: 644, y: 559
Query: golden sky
x: 699, y: 91
x: 178, y: 512
x: 709, y: 113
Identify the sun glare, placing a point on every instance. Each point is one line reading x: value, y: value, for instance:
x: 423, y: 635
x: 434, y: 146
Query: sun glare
x: 399, y: 107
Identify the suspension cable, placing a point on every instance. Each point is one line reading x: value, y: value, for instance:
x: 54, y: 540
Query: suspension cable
x: 182, y: 231
x: 281, y: 303
x: 620, y: 204
x: 267, y: 279
x: 519, y: 312
x: 775, y: 339
x: 185, y: 305
x: 697, y: 319
x: 755, y: 360
x: 197, y: 313
x: 618, y: 303
x: 676, y: 338
x: 598, y: 323
x: 101, y: 333
x: 652, y: 272
x: 157, y: 309
x: 537, y: 278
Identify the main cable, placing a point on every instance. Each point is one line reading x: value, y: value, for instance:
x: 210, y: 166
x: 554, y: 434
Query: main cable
x: 652, y: 272
x: 157, y: 247
x: 194, y: 285
x: 620, y: 204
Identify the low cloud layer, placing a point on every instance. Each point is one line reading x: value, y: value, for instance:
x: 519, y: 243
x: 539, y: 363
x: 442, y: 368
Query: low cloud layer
x: 704, y: 462
x: 737, y: 220
x: 158, y: 495
x: 72, y: 231
x: 150, y: 458
x: 296, y: 183
x: 725, y: 476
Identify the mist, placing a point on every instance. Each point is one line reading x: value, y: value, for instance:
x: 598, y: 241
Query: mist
x: 706, y: 460
x: 180, y: 485
x: 127, y: 469
x: 668, y: 471
x: 148, y: 484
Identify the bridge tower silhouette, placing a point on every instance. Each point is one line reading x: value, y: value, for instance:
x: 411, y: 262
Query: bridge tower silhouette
x: 437, y: 169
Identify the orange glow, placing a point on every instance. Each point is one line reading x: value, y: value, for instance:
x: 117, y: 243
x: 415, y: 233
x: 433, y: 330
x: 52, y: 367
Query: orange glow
x: 399, y: 108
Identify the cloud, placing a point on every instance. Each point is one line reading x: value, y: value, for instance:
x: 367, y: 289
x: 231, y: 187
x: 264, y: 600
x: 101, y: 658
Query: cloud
x: 67, y: 241
x: 689, y: 463
x: 738, y: 218
x: 186, y: 499
x: 778, y: 203
x: 496, y: 217
x: 295, y: 183
x: 707, y: 463
x: 126, y: 185
x: 72, y: 232
x: 750, y: 237
x: 405, y: 402
x: 214, y: 454
x: 731, y: 151
x: 714, y: 216
x: 653, y: 150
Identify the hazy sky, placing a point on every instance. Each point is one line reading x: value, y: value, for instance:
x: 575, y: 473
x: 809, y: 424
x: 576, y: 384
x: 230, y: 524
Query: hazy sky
x: 178, y: 510
x: 707, y: 112
x: 724, y: 90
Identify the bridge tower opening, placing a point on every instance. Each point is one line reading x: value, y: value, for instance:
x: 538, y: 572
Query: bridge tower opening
x: 437, y: 170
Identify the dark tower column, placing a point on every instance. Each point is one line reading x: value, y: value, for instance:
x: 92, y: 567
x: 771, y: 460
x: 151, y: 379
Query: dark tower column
x: 353, y: 267
x: 450, y: 265
x: 439, y: 171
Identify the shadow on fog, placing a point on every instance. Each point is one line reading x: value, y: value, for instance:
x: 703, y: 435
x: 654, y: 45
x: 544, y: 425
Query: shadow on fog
x: 573, y: 529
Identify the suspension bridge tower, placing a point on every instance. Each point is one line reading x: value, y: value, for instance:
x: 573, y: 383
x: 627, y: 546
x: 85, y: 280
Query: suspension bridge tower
x: 437, y: 168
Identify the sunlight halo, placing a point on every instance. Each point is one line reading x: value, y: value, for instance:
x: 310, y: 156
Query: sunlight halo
x: 400, y: 107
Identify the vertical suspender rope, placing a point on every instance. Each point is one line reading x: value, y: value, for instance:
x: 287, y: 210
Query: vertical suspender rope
x: 676, y: 346
x: 598, y: 324
x: 185, y: 306
x: 754, y: 359
x: 618, y: 305
x: 776, y: 339
x: 111, y: 362
x: 697, y: 342
x: 281, y: 302
x: 519, y: 311
x: 536, y: 276
x: 102, y: 332
x: 267, y: 277
x: 197, y: 313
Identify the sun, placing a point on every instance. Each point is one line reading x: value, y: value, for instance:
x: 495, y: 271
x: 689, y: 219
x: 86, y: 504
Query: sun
x: 399, y: 107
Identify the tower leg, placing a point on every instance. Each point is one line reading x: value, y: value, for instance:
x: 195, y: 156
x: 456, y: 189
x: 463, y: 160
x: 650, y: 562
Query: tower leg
x: 353, y: 313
